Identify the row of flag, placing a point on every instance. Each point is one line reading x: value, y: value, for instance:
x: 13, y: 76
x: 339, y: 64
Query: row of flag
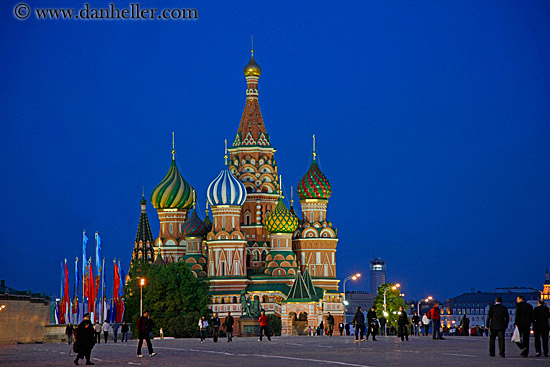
x: 71, y: 310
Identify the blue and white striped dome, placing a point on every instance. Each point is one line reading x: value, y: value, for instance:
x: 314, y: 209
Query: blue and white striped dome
x: 226, y: 189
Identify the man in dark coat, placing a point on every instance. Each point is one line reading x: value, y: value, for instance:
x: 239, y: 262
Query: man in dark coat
x: 372, y: 323
x: 416, y: 322
x: 144, y: 327
x: 215, y: 327
x: 383, y: 323
x: 541, y: 315
x: 524, y: 318
x: 229, y: 322
x: 330, y: 324
x: 85, y: 340
x: 359, y: 323
x: 497, y: 321
x: 465, y: 323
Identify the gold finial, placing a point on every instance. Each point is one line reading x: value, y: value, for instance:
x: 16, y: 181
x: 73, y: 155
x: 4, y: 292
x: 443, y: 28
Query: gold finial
x: 225, y: 155
x: 252, y: 43
x: 206, y: 206
x: 314, y: 154
x: 173, y: 147
x: 281, y: 186
x: 291, y: 196
x: 194, y: 198
x: 143, y: 190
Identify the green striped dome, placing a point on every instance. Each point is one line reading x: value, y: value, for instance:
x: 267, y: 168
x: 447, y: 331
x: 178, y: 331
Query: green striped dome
x: 173, y: 191
x: 281, y: 220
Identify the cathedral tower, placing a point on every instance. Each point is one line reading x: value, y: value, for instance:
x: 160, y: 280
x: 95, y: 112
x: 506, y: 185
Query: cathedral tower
x: 172, y: 198
x: 252, y: 162
x: 143, y: 246
x: 315, y: 240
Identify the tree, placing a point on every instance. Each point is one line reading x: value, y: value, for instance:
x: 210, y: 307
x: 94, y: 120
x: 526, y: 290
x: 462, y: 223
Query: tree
x: 173, y: 296
x: 393, y: 302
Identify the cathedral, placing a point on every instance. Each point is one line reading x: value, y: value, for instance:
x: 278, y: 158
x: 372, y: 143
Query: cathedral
x: 253, y: 243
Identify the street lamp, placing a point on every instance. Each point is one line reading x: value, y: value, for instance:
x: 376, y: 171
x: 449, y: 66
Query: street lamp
x: 353, y: 277
x: 423, y: 300
x: 142, y: 283
x: 386, y: 291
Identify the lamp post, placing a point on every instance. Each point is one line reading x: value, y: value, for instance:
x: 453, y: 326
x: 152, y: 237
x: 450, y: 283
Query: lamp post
x: 353, y: 277
x: 386, y: 291
x: 142, y: 283
x: 423, y: 300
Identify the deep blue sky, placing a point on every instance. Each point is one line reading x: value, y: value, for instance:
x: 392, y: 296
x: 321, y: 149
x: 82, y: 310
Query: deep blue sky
x: 431, y: 116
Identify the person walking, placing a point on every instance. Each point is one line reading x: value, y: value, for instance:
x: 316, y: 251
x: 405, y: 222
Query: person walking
x: 346, y: 327
x: 330, y: 324
x: 263, y: 327
x: 359, y: 324
x: 524, y: 319
x: 435, y: 315
x: 383, y: 323
x: 497, y: 321
x: 143, y: 326
x: 403, y: 325
x: 541, y: 315
x: 321, y: 329
x: 465, y: 323
x: 229, y: 322
x: 372, y: 323
x: 124, y: 329
x: 215, y: 327
x: 416, y: 324
x: 115, y: 330
x: 97, y: 332
x: 105, y: 328
x: 341, y: 328
x: 203, y: 324
x: 69, y: 330
x: 85, y: 340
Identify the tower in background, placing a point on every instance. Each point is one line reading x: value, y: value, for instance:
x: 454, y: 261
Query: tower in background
x: 377, y: 274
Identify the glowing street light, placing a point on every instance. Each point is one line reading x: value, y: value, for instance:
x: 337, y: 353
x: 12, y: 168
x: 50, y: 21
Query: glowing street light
x: 142, y: 283
x: 346, y: 303
x: 423, y: 300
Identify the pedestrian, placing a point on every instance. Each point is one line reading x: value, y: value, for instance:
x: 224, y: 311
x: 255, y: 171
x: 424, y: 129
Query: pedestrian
x: 321, y: 329
x: 203, y: 324
x: 105, y: 328
x: 497, y: 321
x: 372, y: 323
x: 435, y: 315
x: 150, y: 325
x: 85, y: 340
x: 330, y: 324
x: 341, y: 328
x: 115, y: 330
x: 541, y: 315
x: 263, y: 327
x: 69, y: 330
x: 465, y: 323
x: 346, y: 327
x: 359, y: 323
x: 416, y: 324
x: 524, y: 319
x: 143, y: 326
x: 383, y: 323
x: 124, y: 330
x: 97, y: 332
x: 215, y: 327
x: 425, y: 324
x: 402, y: 323
x: 229, y: 322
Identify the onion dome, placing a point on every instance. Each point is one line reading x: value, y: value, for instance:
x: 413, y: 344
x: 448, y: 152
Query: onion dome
x: 226, y: 189
x: 194, y: 226
x: 252, y: 69
x: 314, y: 184
x: 281, y: 220
x: 173, y: 191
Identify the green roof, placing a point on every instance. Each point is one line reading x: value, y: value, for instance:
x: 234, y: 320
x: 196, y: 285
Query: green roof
x: 269, y: 287
x: 303, y: 289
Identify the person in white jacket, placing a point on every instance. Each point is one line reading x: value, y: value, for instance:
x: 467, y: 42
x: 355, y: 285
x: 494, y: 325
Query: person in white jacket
x: 203, y: 324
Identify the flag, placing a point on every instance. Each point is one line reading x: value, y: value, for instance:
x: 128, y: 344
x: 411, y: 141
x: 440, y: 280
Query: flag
x: 91, y: 288
x: 56, y: 313
x: 113, y: 316
x: 122, y: 277
x: 84, y: 257
x: 66, y: 294
x: 76, y: 291
x: 116, y: 281
x: 97, y: 252
x: 120, y: 311
x: 104, y: 309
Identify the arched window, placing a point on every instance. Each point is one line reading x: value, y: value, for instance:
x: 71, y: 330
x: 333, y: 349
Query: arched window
x: 247, y: 219
x: 170, y: 228
x: 255, y: 256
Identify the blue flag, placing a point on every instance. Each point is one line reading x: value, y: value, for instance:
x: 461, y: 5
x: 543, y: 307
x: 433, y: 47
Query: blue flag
x: 97, y: 252
x: 122, y: 277
x: 76, y: 287
x: 84, y: 257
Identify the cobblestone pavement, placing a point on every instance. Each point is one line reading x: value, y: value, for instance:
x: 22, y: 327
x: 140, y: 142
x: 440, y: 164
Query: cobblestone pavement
x: 281, y: 351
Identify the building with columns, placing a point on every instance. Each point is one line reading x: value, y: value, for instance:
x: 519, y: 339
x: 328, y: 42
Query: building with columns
x: 253, y: 244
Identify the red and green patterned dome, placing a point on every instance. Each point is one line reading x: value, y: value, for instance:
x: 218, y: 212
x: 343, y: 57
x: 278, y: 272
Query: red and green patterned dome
x: 281, y: 220
x: 314, y: 184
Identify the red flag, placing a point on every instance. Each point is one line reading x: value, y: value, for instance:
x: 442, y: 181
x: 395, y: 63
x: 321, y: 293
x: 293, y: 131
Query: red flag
x: 62, y: 311
x: 116, y: 282
x: 120, y: 311
x: 67, y: 302
x: 91, y: 289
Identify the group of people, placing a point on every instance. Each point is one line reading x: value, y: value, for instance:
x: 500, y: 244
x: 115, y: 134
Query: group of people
x: 371, y: 325
x: 100, y: 329
x: 228, y: 323
x: 498, y: 320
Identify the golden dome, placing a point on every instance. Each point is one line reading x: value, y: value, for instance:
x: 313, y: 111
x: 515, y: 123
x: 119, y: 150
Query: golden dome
x: 252, y: 69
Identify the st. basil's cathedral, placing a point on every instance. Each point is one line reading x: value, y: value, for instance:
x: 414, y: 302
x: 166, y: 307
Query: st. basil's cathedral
x: 254, y: 243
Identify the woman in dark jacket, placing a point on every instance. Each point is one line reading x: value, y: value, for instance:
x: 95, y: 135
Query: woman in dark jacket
x: 402, y: 323
x: 85, y: 340
x: 359, y: 323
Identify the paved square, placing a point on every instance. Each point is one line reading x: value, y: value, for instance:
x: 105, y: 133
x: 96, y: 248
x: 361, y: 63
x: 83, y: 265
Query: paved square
x: 282, y: 351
